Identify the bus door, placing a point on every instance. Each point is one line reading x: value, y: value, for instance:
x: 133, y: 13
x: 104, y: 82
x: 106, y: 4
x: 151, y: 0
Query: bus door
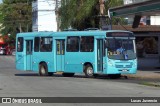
x: 60, y: 52
x: 100, y: 55
x: 29, y: 46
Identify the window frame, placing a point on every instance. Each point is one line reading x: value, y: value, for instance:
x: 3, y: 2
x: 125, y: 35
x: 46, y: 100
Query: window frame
x: 20, y: 44
x: 71, y: 47
x: 36, y: 45
x: 87, y: 47
x: 43, y: 47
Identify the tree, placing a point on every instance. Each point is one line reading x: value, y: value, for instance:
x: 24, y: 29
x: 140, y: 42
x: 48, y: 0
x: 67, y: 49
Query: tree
x: 15, y: 17
x: 81, y: 14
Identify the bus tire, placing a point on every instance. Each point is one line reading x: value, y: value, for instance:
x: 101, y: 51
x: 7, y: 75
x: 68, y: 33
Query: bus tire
x: 114, y: 76
x: 88, y: 71
x: 43, y: 69
x: 68, y: 74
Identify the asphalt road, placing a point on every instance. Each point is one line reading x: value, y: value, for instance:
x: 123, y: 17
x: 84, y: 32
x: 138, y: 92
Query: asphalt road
x: 14, y: 83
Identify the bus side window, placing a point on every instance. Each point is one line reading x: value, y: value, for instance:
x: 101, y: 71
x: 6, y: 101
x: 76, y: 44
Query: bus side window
x: 36, y: 44
x: 20, y: 44
x: 46, y: 44
x: 72, y: 44
x: 87, y: 44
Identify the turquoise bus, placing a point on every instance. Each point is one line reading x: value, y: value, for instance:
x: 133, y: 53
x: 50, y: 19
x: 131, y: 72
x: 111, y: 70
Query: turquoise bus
x: 111, y: 52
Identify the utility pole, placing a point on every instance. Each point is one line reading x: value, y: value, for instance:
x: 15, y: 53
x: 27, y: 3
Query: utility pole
x: 57, y: 13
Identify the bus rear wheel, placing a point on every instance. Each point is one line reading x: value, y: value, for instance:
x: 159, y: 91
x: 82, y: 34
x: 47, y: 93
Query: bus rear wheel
x: 68, y: 74
x: 43, y: 69
x: 88, y: 71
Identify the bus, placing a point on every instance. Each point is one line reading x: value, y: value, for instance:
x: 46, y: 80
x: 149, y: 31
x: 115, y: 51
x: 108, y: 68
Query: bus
x: 69, y: 52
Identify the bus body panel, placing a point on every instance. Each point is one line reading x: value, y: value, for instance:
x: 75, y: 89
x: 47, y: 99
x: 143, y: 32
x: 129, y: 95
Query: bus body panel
x: 46, y: 57
x: 59, y: 59
x: 24, y: 58
x: 31, y: 61
x: 20, y: 65
x: 75, y: 61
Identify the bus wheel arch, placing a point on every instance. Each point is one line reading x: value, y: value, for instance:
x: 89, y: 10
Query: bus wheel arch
x: 43, y: 69
x: 88, y: 69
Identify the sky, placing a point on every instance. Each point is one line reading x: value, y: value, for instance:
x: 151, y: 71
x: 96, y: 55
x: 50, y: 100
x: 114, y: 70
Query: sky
x: 0, y: 1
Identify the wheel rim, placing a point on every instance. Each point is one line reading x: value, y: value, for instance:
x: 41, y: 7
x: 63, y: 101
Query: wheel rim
x: 43, y: 71
x: 89, y: 71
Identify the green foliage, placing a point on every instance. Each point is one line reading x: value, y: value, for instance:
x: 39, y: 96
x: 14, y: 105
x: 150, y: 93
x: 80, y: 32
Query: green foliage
x: 74, y: 13
x: 81, y: 14
x: 15, y: 16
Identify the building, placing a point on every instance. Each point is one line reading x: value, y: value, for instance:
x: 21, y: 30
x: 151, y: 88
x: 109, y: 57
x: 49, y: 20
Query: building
x: 145, y: 20
x: 148, y: 31
x: 132, y: 1
x: 44, y: 16
x: 147, y: 39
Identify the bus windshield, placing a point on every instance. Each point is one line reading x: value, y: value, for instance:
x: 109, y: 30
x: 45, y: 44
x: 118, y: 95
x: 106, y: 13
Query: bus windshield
x: 120, y: 49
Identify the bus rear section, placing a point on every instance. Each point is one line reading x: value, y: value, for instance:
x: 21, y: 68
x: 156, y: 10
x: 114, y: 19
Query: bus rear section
x: 34, y: 52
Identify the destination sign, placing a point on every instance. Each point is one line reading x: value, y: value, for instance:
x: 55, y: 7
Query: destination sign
x: 119, y: 34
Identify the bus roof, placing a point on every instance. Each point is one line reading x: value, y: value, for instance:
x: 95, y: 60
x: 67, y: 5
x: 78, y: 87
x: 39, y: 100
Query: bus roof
x: 68, y: 33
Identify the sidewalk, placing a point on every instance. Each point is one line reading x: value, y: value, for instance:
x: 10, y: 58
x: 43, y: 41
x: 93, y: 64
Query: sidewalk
x: 146, y: 75
x: 148, y: 68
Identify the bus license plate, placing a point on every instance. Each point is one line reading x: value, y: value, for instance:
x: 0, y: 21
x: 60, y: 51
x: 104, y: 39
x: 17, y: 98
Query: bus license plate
x: 124, y: 70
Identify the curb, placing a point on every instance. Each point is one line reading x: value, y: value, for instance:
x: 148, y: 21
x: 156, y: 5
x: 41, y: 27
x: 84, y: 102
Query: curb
x: 153, y: 84
x: 156, y: 77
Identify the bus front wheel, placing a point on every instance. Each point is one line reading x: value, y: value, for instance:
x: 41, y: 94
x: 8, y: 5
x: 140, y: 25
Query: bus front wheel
x: 88, y: 71
x: 43, y: 70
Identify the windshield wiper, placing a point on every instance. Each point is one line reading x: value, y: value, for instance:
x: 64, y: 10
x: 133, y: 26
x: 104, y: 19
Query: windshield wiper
x: 125, y: 54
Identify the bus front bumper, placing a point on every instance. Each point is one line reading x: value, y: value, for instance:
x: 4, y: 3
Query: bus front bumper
x: 119, y: 67
x: 113, y: 70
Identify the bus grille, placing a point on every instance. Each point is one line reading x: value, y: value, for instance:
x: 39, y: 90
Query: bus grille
x: 123, y: 66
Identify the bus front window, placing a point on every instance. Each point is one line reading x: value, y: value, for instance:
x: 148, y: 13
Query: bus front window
x: 120, y: 49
